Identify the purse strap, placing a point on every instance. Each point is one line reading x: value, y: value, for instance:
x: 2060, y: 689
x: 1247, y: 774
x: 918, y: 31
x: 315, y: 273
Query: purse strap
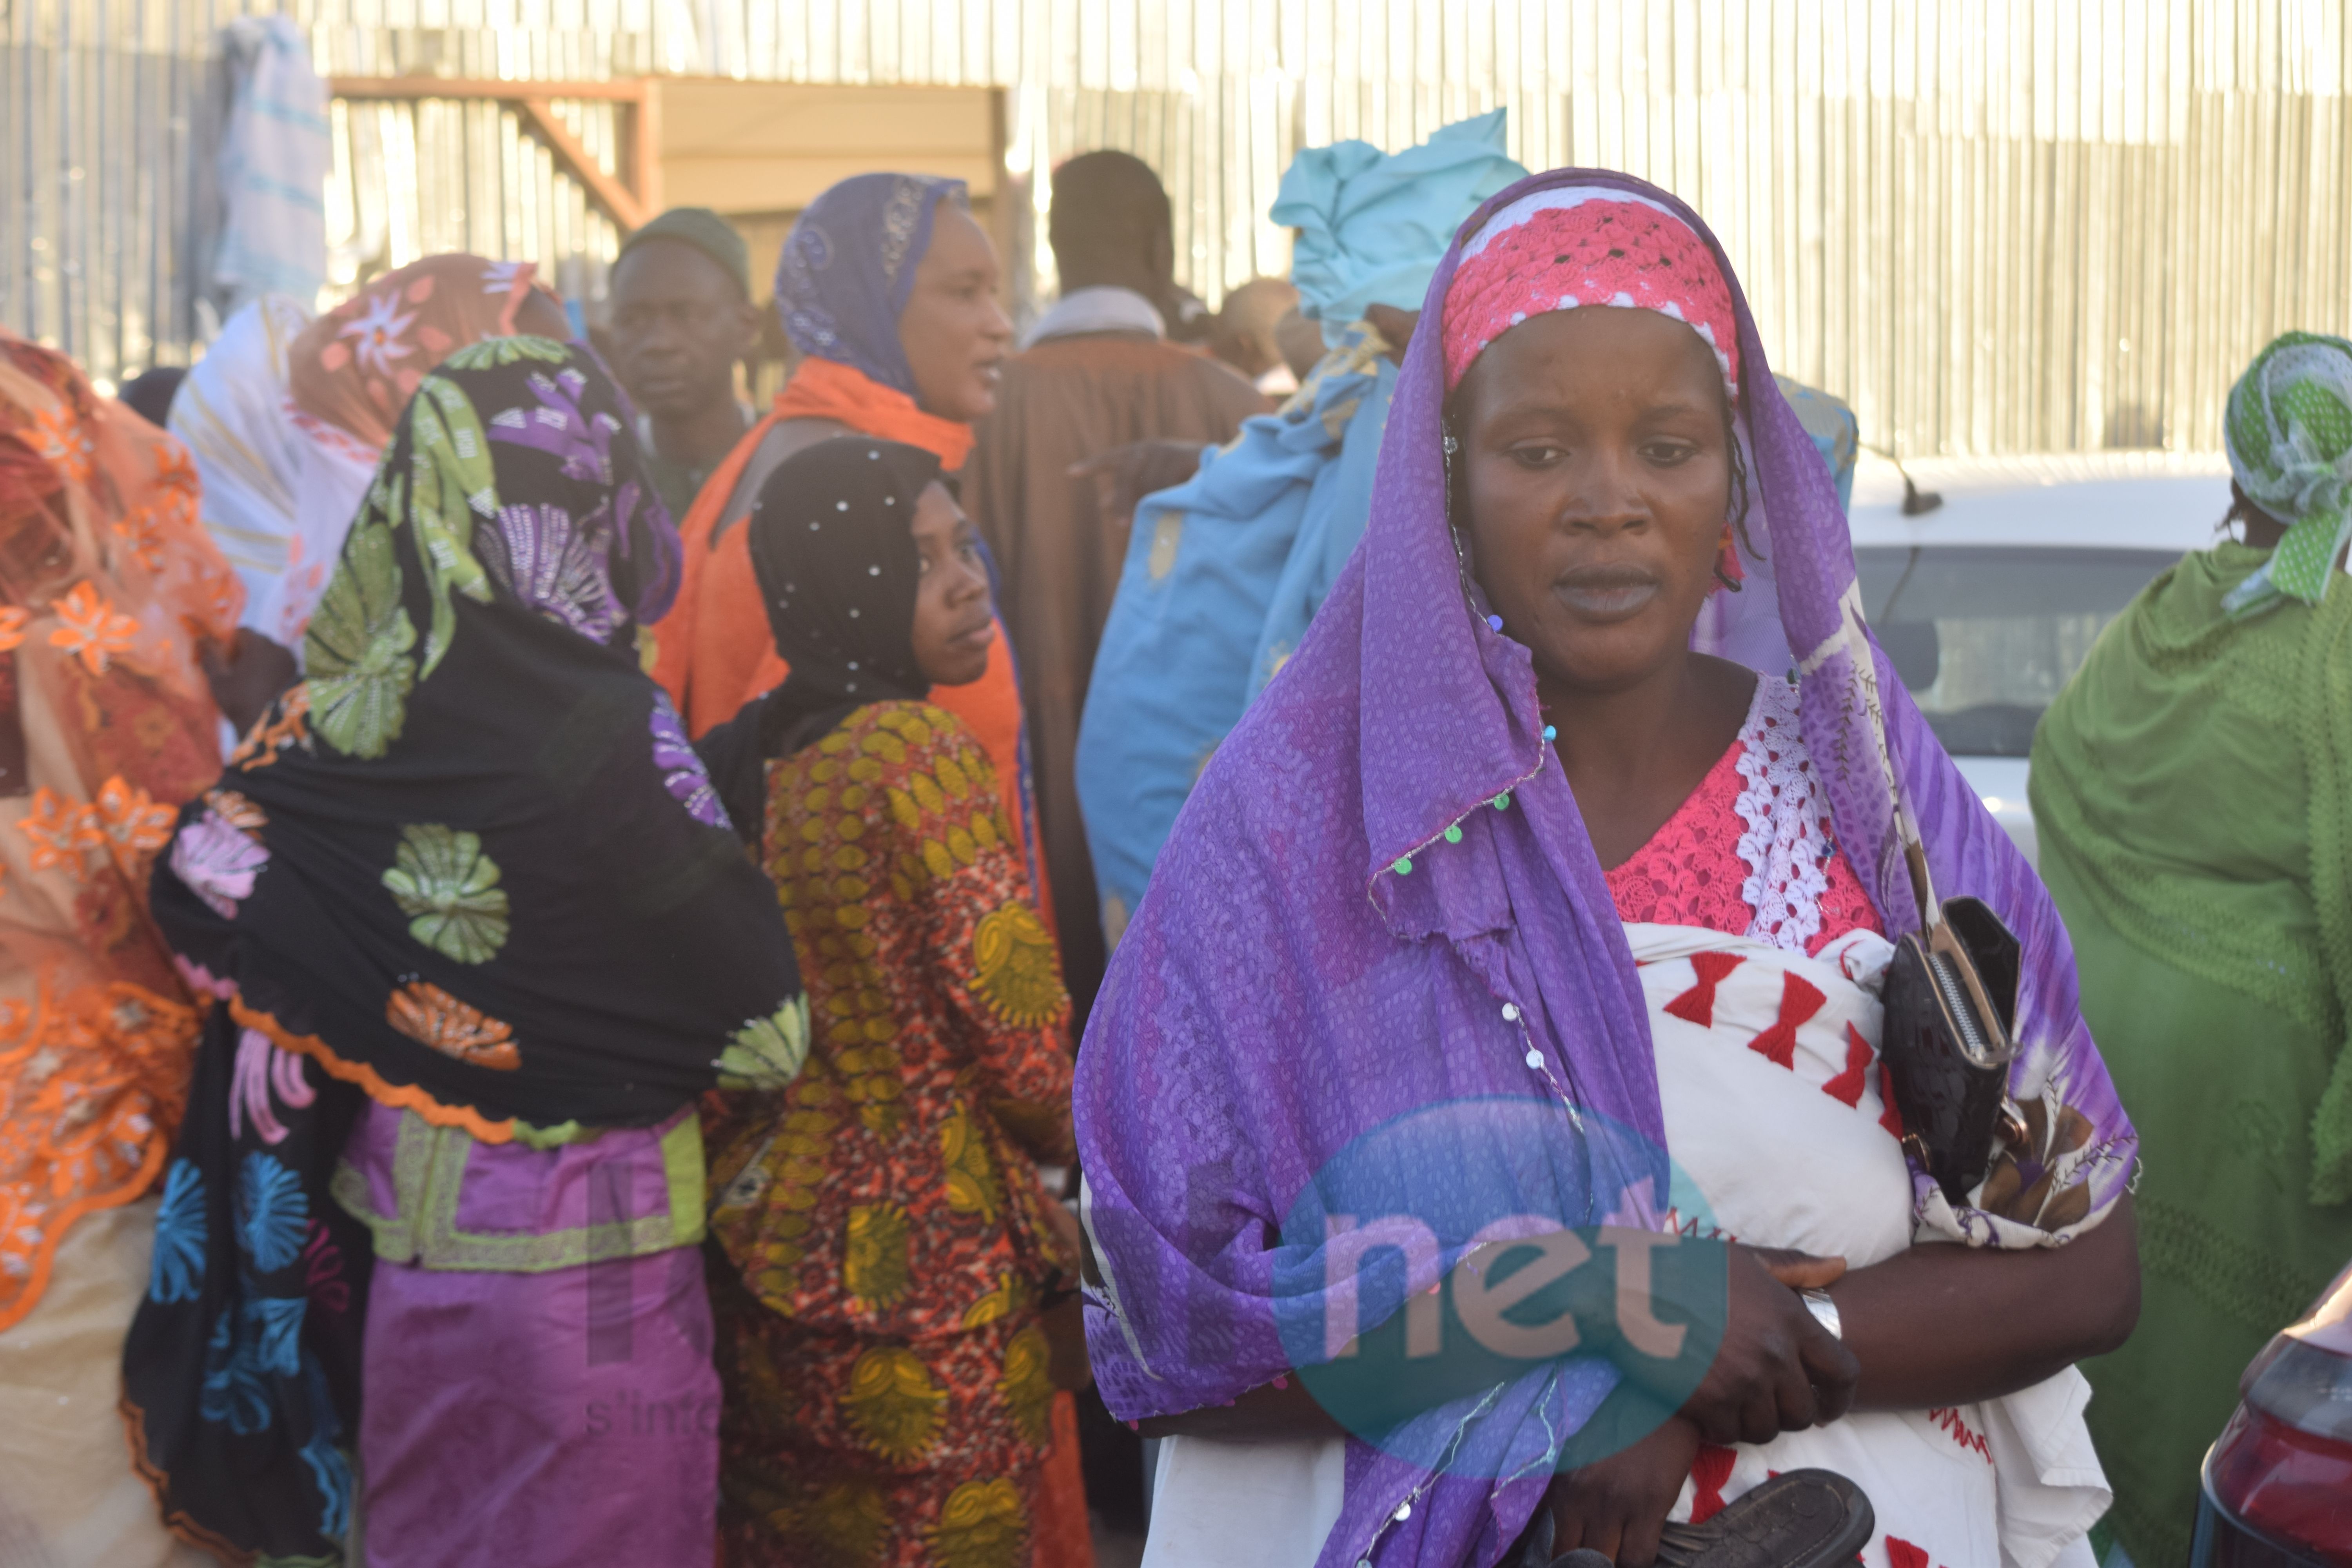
x: 1929, y: 907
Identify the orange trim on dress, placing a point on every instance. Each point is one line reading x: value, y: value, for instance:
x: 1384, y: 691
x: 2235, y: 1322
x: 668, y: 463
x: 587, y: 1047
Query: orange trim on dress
x: 54, y: 1229
x: 112, y: 1078
x: 159, y: 1480
x: 401, y: 1097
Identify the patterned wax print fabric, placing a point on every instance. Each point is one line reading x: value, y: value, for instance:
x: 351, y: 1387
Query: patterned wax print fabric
x: 883, y: 1226
x: 476, y: 744
x: 2288, y: 429
x: 2190, y: 790
x: 107, y: 580
x: 471, y: 866
x: 849, y: 264
x: 231, y: 413
x: 1380, y: 902
x: 349, y: 376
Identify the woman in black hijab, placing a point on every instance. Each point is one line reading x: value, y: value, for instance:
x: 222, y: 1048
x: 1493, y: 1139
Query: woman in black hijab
x: 479, y: 936
x: 889, y: 1249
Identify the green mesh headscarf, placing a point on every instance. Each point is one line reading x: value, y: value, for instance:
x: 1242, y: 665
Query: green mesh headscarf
x: 2289, y: 430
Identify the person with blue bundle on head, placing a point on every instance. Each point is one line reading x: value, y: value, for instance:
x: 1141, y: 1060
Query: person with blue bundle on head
x: 1224, y: 571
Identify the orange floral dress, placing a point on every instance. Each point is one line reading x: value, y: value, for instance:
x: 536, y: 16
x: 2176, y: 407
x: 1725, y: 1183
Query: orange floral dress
x: 887, y: 1392
x: 107, y: 581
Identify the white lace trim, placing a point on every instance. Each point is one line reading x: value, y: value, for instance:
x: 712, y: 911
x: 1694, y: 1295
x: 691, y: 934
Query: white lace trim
x: 1787, y: 842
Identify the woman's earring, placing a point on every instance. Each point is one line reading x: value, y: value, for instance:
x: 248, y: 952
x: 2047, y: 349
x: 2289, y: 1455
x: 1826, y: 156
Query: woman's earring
x: 1449, y: 445
x: 1728, y: 573
x: 1462, y: 566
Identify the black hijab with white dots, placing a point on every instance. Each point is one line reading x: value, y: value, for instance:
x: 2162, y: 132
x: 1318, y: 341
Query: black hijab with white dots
x: 833, y: 545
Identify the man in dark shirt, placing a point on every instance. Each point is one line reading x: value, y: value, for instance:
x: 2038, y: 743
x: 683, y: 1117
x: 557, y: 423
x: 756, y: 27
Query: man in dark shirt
x: 681, y: 316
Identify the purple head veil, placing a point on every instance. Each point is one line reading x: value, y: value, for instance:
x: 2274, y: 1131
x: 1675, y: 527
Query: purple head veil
x: 1381, y: 897
x: 849, y: 264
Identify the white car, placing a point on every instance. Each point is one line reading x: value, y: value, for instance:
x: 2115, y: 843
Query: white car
x: 1988, y: 603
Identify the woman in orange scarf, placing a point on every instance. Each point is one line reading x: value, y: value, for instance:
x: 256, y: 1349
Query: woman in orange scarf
x: 888, y: 288
x: 108, y: 585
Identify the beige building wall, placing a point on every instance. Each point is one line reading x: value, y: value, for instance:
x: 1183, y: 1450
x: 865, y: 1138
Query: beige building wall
x: 1991, y: 224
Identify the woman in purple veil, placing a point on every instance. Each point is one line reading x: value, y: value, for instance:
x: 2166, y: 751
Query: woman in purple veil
x: 1507, y: 900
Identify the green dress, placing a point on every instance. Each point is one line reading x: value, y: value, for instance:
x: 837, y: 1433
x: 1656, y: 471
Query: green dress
x: 2192, y: 790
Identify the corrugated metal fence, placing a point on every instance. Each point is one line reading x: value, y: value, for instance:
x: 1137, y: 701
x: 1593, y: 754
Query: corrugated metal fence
x: 1992, y: 225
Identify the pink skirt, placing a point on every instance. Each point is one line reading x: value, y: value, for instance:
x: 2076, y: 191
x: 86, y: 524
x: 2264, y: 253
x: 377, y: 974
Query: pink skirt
x: 516, y: 1419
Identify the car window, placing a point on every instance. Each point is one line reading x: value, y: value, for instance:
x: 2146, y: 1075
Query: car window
x: 1985, y: 637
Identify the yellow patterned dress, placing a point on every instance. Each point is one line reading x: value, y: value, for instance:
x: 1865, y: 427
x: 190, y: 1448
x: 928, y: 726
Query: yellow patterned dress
x: 887, y: 1393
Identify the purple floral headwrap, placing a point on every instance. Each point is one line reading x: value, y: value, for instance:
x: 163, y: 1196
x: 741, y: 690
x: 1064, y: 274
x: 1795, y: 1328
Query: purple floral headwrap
x: 849, y: 265
x: 1380, y: 898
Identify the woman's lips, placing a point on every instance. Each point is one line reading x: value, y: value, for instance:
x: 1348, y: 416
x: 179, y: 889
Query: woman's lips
x: 1606, y: 593
x: 977, y: 636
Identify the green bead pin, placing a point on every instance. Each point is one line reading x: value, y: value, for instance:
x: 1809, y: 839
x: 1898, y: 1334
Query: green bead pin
x: 1454, y: 834
x: 1403, y: 867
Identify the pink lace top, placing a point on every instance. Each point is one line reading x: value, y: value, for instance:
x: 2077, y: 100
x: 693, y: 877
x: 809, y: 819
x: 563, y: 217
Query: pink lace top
x: 1751, y: 853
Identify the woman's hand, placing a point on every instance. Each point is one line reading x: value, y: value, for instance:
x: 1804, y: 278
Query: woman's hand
x: 1777, y: 1370
x: 1616, y: 1506
x: 1067, y: 1366
x: 248, y: 679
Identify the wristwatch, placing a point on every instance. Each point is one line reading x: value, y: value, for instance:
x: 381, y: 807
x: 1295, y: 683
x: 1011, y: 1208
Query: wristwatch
x: 1825, y: 1311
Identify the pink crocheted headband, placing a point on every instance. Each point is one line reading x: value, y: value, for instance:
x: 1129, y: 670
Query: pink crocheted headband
x: 1581, y: 245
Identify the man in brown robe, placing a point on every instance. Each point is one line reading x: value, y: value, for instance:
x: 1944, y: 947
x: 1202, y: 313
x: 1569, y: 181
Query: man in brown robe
x: 1095, y: 372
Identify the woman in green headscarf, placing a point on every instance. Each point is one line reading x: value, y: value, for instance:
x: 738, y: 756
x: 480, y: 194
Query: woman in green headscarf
x: 2193, y: 789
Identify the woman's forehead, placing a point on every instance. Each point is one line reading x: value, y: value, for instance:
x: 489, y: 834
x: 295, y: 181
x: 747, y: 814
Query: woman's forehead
x: 936, y: 508
x: 1576, y: 356
x: 957, y: 244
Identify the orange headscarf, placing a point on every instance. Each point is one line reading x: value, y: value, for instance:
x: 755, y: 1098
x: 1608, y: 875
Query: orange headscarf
x: 107, y: 582
x: 714, y: 651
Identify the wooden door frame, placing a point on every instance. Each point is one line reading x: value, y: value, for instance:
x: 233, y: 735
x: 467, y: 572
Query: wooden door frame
x: 631, y: 203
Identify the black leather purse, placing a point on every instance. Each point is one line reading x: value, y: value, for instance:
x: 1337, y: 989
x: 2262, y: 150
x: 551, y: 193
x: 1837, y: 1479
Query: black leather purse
x: 1951, y: 1010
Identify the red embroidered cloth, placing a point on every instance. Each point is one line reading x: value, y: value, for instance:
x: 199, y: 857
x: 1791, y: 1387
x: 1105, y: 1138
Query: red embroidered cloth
x: 1691, y: 872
